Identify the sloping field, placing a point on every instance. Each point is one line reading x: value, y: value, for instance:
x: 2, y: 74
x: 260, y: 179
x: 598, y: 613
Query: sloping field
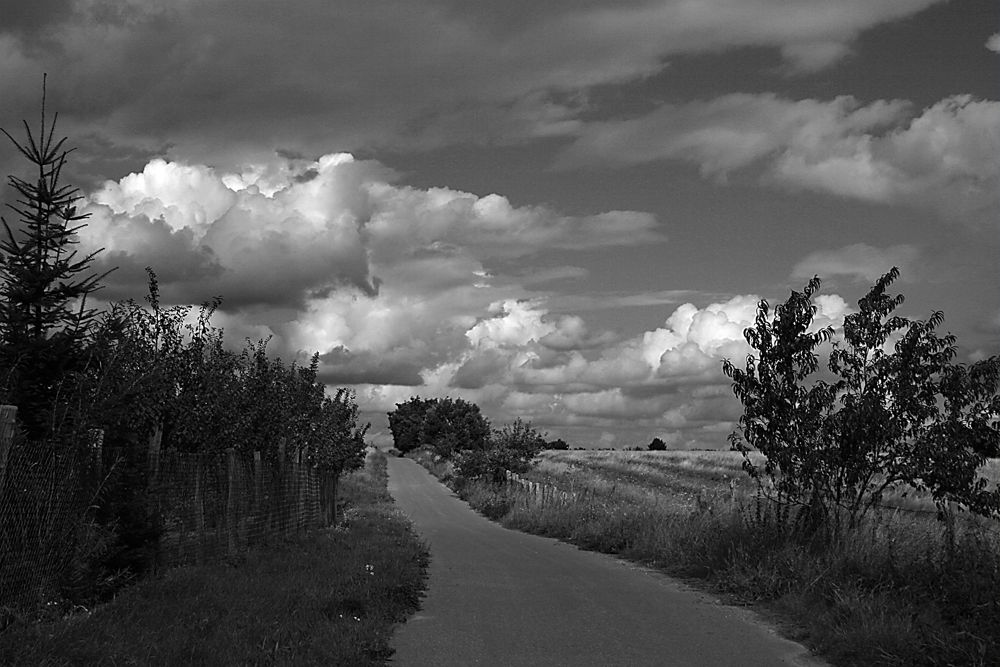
x: 681, y: 479
x: 665, y: 479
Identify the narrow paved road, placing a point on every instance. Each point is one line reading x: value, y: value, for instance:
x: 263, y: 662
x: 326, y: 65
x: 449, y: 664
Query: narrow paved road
x: 501, y: 597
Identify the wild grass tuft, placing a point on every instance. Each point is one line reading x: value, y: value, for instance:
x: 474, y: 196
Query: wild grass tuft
x: 329, y: 600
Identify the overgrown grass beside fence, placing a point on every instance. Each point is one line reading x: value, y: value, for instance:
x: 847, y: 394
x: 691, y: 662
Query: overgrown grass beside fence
x: 332, y: 598
x: 188, y: 508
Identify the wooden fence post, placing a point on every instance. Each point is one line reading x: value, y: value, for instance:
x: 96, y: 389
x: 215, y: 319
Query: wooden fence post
x: 153, y: 459
x: 258, y: 495
x: 334, y: 478
x: 231, y: 501
x: 8, y: 421
x: 303, y: 476
x: 199, y: 514
x: 280, y: 493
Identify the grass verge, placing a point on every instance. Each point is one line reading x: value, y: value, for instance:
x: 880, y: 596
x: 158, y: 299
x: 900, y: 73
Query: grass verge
x: 332, y: 599
x: 901, y: 589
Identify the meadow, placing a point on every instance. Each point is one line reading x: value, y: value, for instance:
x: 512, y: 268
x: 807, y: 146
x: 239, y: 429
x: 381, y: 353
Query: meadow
x: 682, y: 478
x: 902, y: 588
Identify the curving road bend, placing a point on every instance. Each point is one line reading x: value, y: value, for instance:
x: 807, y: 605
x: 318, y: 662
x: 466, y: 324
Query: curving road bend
x: 502, y: 597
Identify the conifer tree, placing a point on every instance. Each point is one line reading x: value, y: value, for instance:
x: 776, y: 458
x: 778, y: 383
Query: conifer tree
x: 44, y: 283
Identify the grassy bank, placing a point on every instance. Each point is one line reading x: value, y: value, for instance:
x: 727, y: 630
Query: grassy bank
x: 901, y: 589
x: 331, y: 600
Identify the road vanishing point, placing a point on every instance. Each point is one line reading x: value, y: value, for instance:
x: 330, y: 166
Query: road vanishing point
x: 501, y: 597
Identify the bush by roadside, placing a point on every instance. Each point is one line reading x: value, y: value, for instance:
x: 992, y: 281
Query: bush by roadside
x: 331, y: 600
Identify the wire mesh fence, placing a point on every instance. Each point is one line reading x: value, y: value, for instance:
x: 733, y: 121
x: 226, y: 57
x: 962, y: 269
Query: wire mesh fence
x: 215, y: 505
x: 44, y: 501
x: 201, y: 507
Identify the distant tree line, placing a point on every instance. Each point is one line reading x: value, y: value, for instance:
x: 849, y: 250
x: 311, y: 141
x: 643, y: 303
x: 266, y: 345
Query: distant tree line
x: 456, y: 430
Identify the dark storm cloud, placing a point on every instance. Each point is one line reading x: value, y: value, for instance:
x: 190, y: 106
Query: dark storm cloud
x: 481, y: 369
x: 24, y: 19
x: 340, y: 366
x: 225, y: 79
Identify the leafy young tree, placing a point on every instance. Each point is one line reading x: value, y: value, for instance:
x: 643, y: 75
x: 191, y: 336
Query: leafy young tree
x: 44, y: 320
x: 510, y: 448
x: 451, y: 425
x: 782, y: 418
x: 448, y: 425
x: 899, y: 412
x: 406, y: 422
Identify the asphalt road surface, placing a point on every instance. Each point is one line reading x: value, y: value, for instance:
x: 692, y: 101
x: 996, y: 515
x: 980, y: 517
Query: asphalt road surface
x: 502, y: 597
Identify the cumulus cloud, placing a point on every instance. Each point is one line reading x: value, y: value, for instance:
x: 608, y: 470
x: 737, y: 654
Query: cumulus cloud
x: 945, y: 156
x: 859, y: 262
x: 668, y: 377
x: 388, y: 282
x: 288, y: 232
x: 993, y: 43
x: 252, y: 248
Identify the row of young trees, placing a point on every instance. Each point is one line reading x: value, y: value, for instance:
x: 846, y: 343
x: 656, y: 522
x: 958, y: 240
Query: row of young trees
x: 892, y: 408
x: 456, y: 430
x: 133, y: 370
x: 166, y: 368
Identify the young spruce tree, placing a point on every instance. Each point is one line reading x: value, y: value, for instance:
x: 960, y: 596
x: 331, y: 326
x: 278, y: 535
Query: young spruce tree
x: 45, y: 323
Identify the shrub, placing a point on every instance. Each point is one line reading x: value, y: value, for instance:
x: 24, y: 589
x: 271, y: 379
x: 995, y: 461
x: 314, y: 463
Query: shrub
x: 510, y: 448
x: 907, y: 416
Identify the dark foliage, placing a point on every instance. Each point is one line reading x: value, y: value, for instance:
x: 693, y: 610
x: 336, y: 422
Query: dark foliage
x: 45, y: 324
x: 900, y: 411
x: 447, y: 425
x: 510, y: 448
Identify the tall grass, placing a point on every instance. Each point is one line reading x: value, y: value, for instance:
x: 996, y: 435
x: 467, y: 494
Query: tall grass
x: 900, y: 589
x: 330, y: 600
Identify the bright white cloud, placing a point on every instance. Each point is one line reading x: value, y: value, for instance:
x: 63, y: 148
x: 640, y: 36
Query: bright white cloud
x: 665, y: 380
x: 945, y: 157
x: 387, y: 282
x: 513, y: 324
x: 283, y: 233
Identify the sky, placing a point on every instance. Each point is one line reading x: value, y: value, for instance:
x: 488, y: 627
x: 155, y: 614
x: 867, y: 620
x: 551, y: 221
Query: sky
x: 565, y: 212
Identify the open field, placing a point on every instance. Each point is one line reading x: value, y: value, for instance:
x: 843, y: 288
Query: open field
x: 681, y: 479
x: 332, y: 599
x: 668, y: 479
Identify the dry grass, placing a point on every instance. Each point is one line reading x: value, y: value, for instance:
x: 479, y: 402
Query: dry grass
x: 672, y: 478
x: 682, y: 477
